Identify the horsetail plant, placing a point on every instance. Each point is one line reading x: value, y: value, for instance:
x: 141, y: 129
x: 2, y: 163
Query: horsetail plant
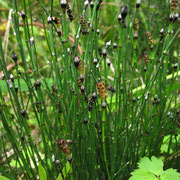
x: 87, y: 89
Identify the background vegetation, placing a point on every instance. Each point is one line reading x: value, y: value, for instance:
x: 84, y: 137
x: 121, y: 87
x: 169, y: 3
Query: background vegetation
x: 92, y: 116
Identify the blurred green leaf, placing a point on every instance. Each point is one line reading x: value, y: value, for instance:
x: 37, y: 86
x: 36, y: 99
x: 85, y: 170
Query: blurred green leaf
x: 3, y: 178
x: 4, y: 4
x: 65, y: 171
x: 170, y: 174
x: 59, y: 177
x: 23, y: 85
x: 42, y: 172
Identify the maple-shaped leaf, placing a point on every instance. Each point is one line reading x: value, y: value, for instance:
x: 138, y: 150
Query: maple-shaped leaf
x: 170, y: 174
x: 141, y: 174
x: 154, y: 165
x: 153, y: 170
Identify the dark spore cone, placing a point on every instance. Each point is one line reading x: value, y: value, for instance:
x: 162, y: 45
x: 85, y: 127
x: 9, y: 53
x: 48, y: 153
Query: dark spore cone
x: 14, y: 56
x: 104, y: 105
x: 78, y: 63
x: 59, y: 107
x: 85, y: 120
x: 111, y: 89
x: 115, y: 45
x: 69, y: 13
x: 63, y: 145
x: 55, y: 20
x: 174, y: 4
x: 102, y: 90
x: 104, y: 53
x: 138, y: 4
x: 23, y: 112
x: 63, y: 4
x: 23, y: 15
x: 124, y: 12
x: 37, y: 84
x: 59, y: 33
x: 98, y: 5
x: 54, y: 88
x: 91, y: 4
x: 49, y: 20
x: 95, y: 61
x: 84, y: 25
x: 82, y: 89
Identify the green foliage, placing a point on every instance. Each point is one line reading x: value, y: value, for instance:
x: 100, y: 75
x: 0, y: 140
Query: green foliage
x: 67, y: 169
x: 54, y: 110
x: 42, y: 172
x: 174, y: 140
x: 59, y: 177
x: 153, y: 170
x: 4, y: 4
x: 3, y: 178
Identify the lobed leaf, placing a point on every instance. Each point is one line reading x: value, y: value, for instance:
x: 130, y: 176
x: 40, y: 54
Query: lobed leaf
x: 154, y: 166
x: 153, y: 170
x: 141, y: 174
x: 170, y: 174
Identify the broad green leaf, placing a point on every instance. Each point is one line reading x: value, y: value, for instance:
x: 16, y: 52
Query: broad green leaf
x: 144, y: 164
x: 141, y: 174
x: 155, y: 165
x: 153, y: 170
x: 170, y: 174
x: 3, y: 178
x: 42, y: 172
